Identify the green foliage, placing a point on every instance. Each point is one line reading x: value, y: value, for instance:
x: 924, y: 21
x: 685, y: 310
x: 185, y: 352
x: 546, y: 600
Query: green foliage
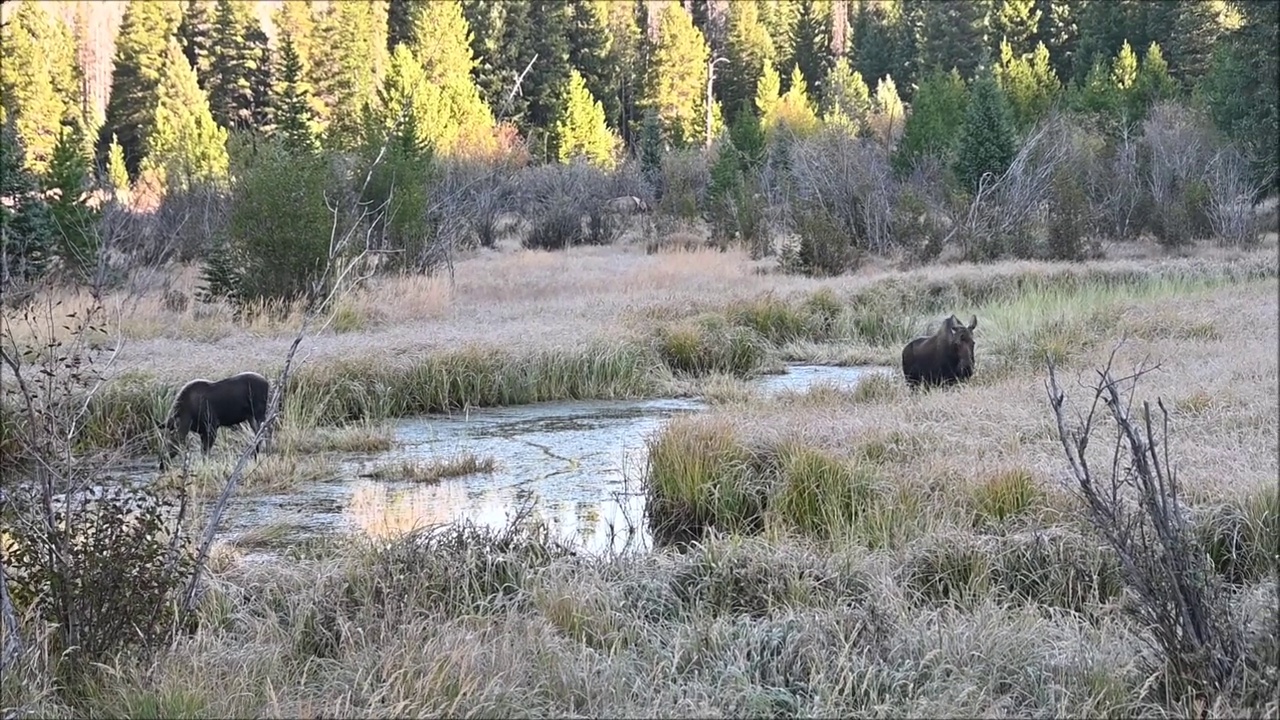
x: 1152, y: 85
x: 676, y: 83
x: 117, y: 174
x: 594, y: 53
x: 883, y: 42
x: 280, y: 226
x: 791, y: 113
x: 888, y: 112
x: 39, y: 81
x: 452, y: 115
x: 544, y: 85
x: 195, y: 31
x: 986, y: 137
x: 749, y: 51
x: 1097, y: 95
x: 186, y: 147
x: 1029, y: 83
x: 1124, y: 69
x: 954, y: 34
x: 811, y: 43
x: 27, y: 238
x: 137, y: 69
x: 239, y: 68
x: 1016, y: 22
x: 220, y: 276
x: 652, y: 148
x: 295, y: 120
x: 73, y: 222
x: 847, y: 99
x: 347, y: 62
x: 748, y: 140
x: 581, y: 130
x: 931, y: 128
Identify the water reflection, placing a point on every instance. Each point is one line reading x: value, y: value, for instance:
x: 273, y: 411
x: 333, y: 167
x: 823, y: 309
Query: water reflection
x: 577, y: 464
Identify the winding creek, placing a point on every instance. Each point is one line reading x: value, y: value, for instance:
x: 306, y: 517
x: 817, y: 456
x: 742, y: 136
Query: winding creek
x: 579, y: 464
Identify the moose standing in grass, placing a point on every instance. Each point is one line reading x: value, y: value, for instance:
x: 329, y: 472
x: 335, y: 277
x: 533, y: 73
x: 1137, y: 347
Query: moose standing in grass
x: 943, y: 358
x: 204, y: 406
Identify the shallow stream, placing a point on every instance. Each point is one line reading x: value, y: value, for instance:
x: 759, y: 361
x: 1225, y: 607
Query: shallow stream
x: 578, y: 464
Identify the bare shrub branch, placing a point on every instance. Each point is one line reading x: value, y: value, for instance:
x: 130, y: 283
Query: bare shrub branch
x: 1137, y: 509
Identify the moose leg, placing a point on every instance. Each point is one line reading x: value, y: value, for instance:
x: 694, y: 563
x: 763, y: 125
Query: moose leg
x: 208, y: 434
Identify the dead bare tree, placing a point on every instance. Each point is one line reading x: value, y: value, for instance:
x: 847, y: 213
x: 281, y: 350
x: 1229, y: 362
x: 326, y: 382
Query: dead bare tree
x: 1231, y: 199
x: 1137, y: 509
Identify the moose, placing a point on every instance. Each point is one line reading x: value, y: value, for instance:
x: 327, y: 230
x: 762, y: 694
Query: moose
x: 943, y: 358
x: 204, y: 406
x: 625, y: 205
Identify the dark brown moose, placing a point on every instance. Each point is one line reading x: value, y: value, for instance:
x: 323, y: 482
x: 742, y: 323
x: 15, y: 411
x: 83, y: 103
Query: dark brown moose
x: 203, y: 406
x: 943, y: 358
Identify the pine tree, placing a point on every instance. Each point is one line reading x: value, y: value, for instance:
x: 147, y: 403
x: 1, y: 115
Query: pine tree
x: 39, y: 65
x: 347, y: 64
x: 930, y: 129
x: 399, y: 22
x: 1017, y: 23
x: 1029, y: 84
x: 624, y: 57
x: 748, y: 49
x: 811, y: 43
x: 986, y: 143
x: 954, y: 34
x: 792, y: 112
x: 547, y: 80
x: 1104, y: 26
x: 73, y: 222
x: 497, y: 39
x: 1097, y: 94
x: 1152, y: 85
x: 27, y: 241
x: 881, y: 41
x: 1196, y: 30
x: 297, y: 19
x: 581, y: 131
x: 591, y: 53
x: 220, y: 276
x: 140, y: 57
x: 1124, y: 70
x: 186, y: 147
x: 847, y: 101
x: 295, y: 122
x: 195, y: 31
x: 779, y: 18
x: 677, y: 77
x: 237, y: 60
x: 1059, y: 34
x: 887, y: 112
x: 116, y: 172
x: 441, y: 41
x: 652, y: 148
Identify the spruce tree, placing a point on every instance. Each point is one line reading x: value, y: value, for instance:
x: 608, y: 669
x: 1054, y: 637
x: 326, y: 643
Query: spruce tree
x: 881, y: 43
x: 748, y: 50
x: 779, y: 18
x: 677, y: 77
x: 399, y: 22
x: 591, y: 53
x: 887, y: 113
x: 954, y: 34
x: 73, y: 222
x: 117, y: 175
x: 1028, y: 82
x: 1059, y: 34
x: 139, y: 62
x: 930, y: 129
x: 986, y: 143
x: 792, y: 112
x: 186, y: 147
x: 295, y: 123
x: 581, y: 131
x: 847, y: 101
x: 811, y: 43
x: 457, y: 113
x: 26, y: 244
x: 627, y: 80
x: 652, y: 147
x: 547, y: 80
x: 347, y: 64
x: 1152, y: 85
x: 195, y: 31
x: 1017, y: 22
x: 238, y: 57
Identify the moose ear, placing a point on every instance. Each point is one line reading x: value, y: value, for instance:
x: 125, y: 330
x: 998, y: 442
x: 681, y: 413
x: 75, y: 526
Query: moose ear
x: 973, y: 323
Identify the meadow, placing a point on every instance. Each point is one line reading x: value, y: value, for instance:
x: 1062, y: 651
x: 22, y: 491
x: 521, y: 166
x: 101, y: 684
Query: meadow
x: 837, y: 552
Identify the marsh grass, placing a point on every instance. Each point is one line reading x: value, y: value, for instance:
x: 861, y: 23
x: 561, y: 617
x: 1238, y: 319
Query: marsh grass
x: 435, y: 470
x: 270, y: 473
x: 709, y: 345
